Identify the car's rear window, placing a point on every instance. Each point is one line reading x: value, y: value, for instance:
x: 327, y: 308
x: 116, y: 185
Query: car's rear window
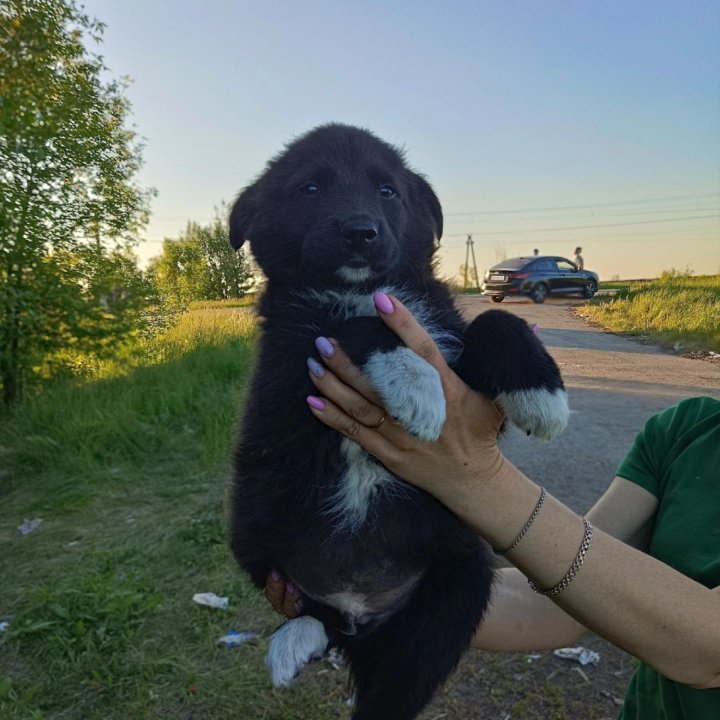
x: 511, y: 264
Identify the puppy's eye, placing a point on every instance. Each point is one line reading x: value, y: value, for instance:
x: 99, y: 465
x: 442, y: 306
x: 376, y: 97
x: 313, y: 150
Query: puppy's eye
x: 387, y: 192
x: 309, y: 188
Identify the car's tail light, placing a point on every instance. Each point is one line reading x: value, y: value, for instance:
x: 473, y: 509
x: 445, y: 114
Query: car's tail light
x: 521, y: 276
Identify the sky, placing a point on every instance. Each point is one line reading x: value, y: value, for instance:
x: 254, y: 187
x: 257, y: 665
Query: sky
x: 540, y: 123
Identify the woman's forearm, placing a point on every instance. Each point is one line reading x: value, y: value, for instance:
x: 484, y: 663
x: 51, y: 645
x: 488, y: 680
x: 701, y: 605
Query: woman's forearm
x: 624, y: 595
x: 519, y: 620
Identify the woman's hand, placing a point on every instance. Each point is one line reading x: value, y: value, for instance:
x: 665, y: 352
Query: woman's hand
x: 284, y: 597
x: 465, y: 453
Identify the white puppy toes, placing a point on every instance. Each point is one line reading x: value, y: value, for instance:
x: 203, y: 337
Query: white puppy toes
x: 411, y: 390
x: 294, y: 645
x: 538, y: 412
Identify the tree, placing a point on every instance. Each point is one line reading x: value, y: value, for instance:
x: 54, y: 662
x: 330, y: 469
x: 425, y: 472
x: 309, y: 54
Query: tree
x: 228, y: 273
x: 201, y: 265
x: 92, y: 304
x: 67, y: 183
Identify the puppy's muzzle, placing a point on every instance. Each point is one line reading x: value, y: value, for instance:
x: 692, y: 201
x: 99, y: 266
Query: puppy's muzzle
x: 360, y: 232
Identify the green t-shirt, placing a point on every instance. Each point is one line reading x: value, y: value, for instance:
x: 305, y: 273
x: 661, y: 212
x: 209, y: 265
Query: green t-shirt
x: 676, y: 457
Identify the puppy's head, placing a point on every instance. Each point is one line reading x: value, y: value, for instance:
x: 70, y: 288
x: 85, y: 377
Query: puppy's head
x: 338, y: 206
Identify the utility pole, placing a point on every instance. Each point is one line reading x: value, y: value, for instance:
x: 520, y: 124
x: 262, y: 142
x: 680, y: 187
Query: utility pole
x: 469, y: 249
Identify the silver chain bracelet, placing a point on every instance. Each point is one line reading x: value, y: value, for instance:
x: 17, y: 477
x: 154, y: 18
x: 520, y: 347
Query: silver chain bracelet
x: 527, y: 525
x: 573, y: 571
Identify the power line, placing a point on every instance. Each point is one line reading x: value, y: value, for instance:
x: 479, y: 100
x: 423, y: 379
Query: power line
x: 648, y: 238
x: 582, y: 207
x: 696, y: 208
x: 586, y: 227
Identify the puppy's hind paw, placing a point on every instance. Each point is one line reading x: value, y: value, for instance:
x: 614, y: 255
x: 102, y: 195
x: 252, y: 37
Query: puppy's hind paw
x: 411, y: 390
x: 294, y: 645
x: 539, y: 412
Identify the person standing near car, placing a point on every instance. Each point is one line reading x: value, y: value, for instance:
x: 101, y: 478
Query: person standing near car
x: 578, y: 259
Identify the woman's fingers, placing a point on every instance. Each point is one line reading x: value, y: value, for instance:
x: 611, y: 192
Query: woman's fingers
x: 283, y: 595
x: 353, y: 401
x: 402, y: 322
x: 335, y: 358
x: 369, y: 438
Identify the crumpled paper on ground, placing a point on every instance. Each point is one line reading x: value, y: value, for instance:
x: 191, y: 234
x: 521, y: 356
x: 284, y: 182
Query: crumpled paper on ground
x: 211, y: 600
x: 30, y: 526
x: 578, y: 654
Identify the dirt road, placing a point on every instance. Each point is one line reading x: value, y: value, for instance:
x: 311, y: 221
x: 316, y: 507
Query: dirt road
x: 614, y: 385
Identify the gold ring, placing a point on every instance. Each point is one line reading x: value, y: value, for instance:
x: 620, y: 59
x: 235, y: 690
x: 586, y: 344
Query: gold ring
x: 382, y: 420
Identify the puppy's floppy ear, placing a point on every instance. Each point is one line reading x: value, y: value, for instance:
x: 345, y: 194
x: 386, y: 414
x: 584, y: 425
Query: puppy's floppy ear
x: 242, y: 215
x: 427, y: 204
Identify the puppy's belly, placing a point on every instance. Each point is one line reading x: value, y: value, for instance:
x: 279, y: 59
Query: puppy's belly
x: 362, y: 605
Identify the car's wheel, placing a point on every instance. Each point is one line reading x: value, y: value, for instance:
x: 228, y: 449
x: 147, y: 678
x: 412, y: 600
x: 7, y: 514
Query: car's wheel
x: 497, y: 298
x: 539, y: 293
x: 590, y: 289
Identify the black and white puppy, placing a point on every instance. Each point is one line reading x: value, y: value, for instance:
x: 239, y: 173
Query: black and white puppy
x: 389, y: 575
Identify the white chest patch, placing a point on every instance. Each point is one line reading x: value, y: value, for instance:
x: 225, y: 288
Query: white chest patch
x: 363, y: 478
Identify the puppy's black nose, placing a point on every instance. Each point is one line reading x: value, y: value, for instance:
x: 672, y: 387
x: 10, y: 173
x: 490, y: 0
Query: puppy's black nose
x: 359, y: 231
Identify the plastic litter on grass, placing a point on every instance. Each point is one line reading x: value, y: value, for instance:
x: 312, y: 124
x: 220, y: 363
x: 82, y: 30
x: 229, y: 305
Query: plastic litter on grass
x: 235, y: 638
x: 30, y: 526
x: 578, y: 654
x: 211, y: 600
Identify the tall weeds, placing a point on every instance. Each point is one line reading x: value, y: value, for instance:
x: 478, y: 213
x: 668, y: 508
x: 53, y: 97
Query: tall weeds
x: 674, y: 308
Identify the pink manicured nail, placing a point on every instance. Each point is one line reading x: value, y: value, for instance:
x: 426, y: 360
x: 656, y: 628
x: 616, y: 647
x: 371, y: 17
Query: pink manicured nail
x: 289, y: 588
x: 315, y: 402
x: 383, y: 303
x: 275, y: 575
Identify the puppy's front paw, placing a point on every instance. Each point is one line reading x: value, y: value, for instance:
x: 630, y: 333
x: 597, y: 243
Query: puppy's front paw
x: 411, y: 390
x: 294, y: 645
x: 538, y: 411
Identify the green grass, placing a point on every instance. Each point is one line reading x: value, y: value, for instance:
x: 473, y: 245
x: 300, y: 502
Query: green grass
x: 674, y: 308
x: 129, y: 470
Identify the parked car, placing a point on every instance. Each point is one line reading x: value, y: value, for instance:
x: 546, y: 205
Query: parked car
x: 538, y: 277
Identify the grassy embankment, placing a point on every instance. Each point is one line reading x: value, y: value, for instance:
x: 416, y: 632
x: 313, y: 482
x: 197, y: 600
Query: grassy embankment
x: 128, y: 471
x: 672, y: 309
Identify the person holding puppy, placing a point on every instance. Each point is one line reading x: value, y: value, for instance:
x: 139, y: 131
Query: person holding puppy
x: 642, y: 569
